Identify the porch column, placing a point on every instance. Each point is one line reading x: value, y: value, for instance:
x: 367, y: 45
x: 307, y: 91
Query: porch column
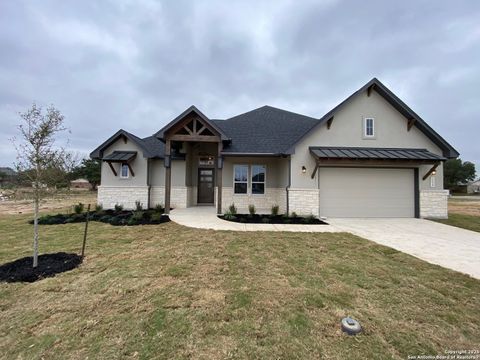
x: 168, y: 176
x: 219, y: 177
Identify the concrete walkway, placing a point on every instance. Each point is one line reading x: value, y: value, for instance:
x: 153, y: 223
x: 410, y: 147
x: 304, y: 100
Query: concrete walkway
x: 440, y: 244
x: 205, y: 217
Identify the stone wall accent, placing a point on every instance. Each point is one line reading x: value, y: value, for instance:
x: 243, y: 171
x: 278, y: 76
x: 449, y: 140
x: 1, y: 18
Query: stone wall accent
x: 434, y: 204
x: 179, y: 197
x: 157, y: 196
x: 304, y: 201
x: 109, y: 196
x: 263, y: 203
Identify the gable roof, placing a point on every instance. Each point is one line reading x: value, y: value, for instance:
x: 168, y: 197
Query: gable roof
x: 160, y: 134
x: 151, y: 147
x: 400, y: 106
x: 266, y: 130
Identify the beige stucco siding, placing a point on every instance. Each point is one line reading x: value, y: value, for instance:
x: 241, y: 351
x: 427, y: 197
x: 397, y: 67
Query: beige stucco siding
x: 139, y: 166
x: 347, y: 130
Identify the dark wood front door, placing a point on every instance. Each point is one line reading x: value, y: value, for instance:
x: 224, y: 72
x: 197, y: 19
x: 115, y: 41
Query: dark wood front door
x: 205, y: 186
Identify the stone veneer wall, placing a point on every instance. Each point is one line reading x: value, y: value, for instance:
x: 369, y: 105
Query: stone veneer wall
x: 109, y: 196
x: 263, y: 203
x: 157, y: 196
x: 304, y: 201
x: 178, y: 196
x: 434, y: 204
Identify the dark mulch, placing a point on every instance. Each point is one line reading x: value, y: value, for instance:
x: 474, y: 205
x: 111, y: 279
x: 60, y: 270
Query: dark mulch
x: 271, y: 219
x: 49, y: 265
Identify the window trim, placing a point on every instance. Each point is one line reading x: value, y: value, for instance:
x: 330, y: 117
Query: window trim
x: 121, y: 171
x: 365, y: 135
x: 240, y: 182
x: 264, y: 182
x: 433, y: 182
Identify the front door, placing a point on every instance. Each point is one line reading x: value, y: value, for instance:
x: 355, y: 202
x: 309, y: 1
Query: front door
x: 205, y: 186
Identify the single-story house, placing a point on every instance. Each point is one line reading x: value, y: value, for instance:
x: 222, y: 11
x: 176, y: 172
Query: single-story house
x: 370, y: 156
x: 473, y: 187
x: 80, y: 184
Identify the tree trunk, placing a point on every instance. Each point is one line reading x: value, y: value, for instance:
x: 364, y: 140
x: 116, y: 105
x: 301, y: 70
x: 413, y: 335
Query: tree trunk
x: 35, y: 226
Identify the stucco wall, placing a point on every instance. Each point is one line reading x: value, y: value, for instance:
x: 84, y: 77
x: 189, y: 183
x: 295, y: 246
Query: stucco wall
x: 347, y: 130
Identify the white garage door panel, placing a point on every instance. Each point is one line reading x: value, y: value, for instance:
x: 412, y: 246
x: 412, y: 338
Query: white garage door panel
x: 355, y: 192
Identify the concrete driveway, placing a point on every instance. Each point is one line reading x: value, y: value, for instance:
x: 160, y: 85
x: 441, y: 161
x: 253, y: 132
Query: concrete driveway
x: 440, y: 244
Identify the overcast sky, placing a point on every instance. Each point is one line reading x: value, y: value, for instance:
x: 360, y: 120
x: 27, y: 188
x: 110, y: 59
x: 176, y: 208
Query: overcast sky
x: 137, y: 64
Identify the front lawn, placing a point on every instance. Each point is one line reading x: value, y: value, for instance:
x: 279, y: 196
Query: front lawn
x: 469, y: 222
x: 166, y: 291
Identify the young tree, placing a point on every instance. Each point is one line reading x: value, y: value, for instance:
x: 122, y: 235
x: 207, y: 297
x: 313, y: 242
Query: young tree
x: 36, y: 154
x: 455, y: 171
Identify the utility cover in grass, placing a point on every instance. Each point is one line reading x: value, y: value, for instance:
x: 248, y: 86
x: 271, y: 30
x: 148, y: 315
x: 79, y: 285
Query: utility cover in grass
x: 49, y: 265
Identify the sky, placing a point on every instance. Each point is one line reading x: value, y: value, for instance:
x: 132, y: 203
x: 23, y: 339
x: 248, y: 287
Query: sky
x: 137, y: 64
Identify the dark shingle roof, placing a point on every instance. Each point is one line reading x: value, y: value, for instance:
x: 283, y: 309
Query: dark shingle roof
x: 336, y: 152
x: 266, y: 130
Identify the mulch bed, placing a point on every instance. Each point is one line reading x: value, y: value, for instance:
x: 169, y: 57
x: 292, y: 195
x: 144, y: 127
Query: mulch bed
x: 49, y: 265
x: 271, y: 219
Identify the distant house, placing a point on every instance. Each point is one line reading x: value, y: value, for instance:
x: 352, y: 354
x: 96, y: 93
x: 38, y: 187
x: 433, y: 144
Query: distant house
x: 370, y: 156
x: 474, y: 187
x: 80, y: 184
x: 7, y: 171
x: 6, y: 175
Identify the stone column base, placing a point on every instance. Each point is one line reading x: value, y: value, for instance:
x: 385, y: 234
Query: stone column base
x: 304, y: 201
x: 434, y: 204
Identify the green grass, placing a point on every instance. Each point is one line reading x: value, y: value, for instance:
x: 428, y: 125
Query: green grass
x: 170, y: 292
x: 469, y: 222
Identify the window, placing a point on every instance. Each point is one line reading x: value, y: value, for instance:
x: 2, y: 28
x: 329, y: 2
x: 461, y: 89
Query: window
x: 240, y: 179
x: 432, y: 181
x: 369, y: 128
x: 124, y: 171
x: 258, y: 179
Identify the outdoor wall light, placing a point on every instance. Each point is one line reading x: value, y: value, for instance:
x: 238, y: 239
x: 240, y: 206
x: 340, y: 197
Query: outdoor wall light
x: 434, y: 172
x: 304, y: 169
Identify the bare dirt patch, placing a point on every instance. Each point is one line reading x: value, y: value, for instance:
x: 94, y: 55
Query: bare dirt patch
x: 467, y: 206
x: 21, y: 203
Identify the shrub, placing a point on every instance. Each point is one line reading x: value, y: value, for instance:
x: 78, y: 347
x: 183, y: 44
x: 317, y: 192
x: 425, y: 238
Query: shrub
x: 156, y: 218
x: 105, y: 218
x: 232, y: 209
x: 265, y: 220
x: 118, y: 207
x: 138, y: 205
x: 310, y: 219
x: 132, y: 221
x: 137, y: 215
x: 252, y: 210
x: 77, y: 217
x: 158, y: 208
x: 229, y: 216
x: 116, y: 220
x: 78, y: 209
x: 275, y: 209
x: 98, y: 207
x: 293, y: 215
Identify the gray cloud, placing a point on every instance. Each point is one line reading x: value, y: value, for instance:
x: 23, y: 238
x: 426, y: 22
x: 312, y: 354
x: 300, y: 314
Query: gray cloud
x: 137, y: 64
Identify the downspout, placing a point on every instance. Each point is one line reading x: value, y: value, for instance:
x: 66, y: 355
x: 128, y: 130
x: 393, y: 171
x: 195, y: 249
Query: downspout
x: 289, y: 183
x: 149, y: 164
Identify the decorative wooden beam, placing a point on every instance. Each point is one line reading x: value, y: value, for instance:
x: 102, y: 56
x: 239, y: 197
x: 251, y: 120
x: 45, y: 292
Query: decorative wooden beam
x: 131, y: 170
x: 200, y: 138
x: 199, y: 132
x: 369, y: 89
x: 434, y: 167
x: 411, y: 122
x: 315, y: 171
x: 124, y: 138
x: 111, y: 167
x: 329, y: 123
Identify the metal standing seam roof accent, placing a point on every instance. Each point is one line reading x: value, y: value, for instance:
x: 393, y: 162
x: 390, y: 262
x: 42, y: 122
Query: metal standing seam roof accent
x: 327, y: 152
x: 120, y: 156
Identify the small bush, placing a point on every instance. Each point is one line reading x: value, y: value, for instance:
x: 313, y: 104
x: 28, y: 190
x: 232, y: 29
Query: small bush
x: 138, y: 205
x: 98, y: 207
x: 132, y: 221
x: 310, y: 219
x: 118, y: 207
x: 275, y: 209
x: 293, y: 215
x: 265, y: 220
x: 156, y: 218
x: 232, y: 209
x: 78, y: 209
x: 116, y: 220
x: 229, y: 216
x: 77, y: 217
x: 158, y: 208
x: 252, y: 210
x: 138, y: 215
x: 105, y: 218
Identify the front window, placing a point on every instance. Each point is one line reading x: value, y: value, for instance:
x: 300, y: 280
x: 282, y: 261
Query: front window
x: 124, y: 171
x: 258, y: 179
x: 240, y: 179
x: 369, y: 127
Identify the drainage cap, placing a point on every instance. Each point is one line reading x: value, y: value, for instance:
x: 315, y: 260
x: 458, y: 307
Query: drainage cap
x: 351, y: 326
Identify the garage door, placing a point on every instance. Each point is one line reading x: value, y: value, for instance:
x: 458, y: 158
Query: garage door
x: 358, y: 192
